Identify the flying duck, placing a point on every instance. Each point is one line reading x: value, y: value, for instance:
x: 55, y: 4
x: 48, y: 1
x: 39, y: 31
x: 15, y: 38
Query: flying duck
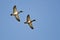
x: 29, y: 21
x: 15, y: 13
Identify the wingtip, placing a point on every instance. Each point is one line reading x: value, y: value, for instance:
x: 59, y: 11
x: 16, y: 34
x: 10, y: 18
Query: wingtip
x: 34, y: 20
x: 14, y: 5
x: 31, y: 27
x: 28, y: 15
x: 18, y: 20
x: 10, y: 14
x: 21, y: 11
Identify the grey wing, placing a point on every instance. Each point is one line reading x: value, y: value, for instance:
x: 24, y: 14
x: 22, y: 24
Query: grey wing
x: 31, y: 26
x: 28, y: 17
x: 17, y: 18
x: 14, y: 9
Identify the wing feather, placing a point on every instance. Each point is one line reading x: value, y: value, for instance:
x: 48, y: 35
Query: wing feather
x: 28, y: 17
x: 17, y: 18
x: 31, y: 26
x: 14, y: 9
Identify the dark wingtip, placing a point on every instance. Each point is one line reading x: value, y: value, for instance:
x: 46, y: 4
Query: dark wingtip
x: 10, y: 14
x: 21, y: 11
x: 28, y: 15
x: 14, y: 6
x: 34, y: 20
x: 19, y: 20
x: 32, y: 28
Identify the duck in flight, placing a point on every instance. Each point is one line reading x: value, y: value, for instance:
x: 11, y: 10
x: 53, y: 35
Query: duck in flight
x: 15, y: 13
x: 29, y: 21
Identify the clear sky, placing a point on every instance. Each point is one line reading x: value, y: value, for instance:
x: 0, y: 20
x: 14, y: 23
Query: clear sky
x: 46, y: 26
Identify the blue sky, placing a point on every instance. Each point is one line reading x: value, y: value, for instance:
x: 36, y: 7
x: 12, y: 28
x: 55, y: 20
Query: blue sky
x: 46, y: 26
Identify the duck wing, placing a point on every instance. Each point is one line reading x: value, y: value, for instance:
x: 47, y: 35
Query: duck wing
x: 14, y: 9
x: 28, y: 17
x: 30, y: 24
x: 17, y: 18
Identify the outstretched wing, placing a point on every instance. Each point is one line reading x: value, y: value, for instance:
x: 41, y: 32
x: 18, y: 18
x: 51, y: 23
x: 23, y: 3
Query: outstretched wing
x: 31, y: 26
x: 14, y: 9
x: 28, y: 17
x: 17, y: 18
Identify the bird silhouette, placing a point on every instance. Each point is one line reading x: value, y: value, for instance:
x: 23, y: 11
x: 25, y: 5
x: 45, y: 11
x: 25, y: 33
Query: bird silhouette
x: 29, y: 21
x: 15, y: 13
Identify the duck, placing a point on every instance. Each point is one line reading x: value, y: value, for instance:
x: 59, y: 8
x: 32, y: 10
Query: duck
x: 16, y: 13
x: 29, y: 21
